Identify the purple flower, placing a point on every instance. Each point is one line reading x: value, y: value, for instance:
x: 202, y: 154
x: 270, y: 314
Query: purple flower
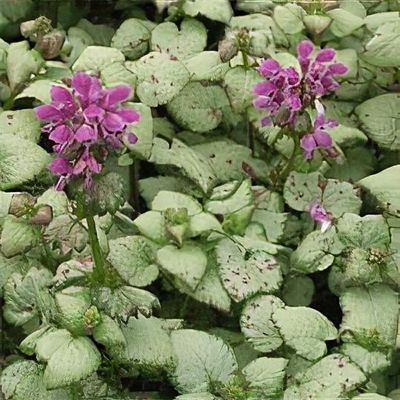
x: 320, y: 215
x: 286, y: 92
x: 318, y: 71
x: 279, y: 92
x: 318, y: 138
x: 85, y: 121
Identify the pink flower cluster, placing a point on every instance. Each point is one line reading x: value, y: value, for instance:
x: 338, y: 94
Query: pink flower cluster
x: 86, y: 122
x: 286, y: 91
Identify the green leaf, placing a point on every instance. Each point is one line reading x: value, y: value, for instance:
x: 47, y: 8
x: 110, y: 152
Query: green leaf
x: 64, y: 232
x: 383, y: 189
x: 239, y: 82
x: 72, y: 304
x: 149, y: 187
x: 166, y: 199
x: 369, y: 361
x: 143, y: 129
x: 106, y: 194
x: 203, y: 361
x: 68, y: 359
x: 266, y: 376
x: 21, y: 64
x: 278, y: 227
x: 160, y: 78
x: 229, y: 160
x: 246, y: 271
x: 206, y: 65
x: 133, y: 258
x: 15, y: 10
x: 20, y: 161
x: 39, y: 90
x: 181, y: 43
x: 371, y: 396
x: 8, y: 266
x: 298, y: 291
x: 210, y: 289
x: 202, y: 223
x: 316, y: 24
x: 117, y: 73
x: 265, y: 33
x: 190, y: 162
x: 151, y: 224
x: 347, y: 137
x: 199, y: 107
x: 95, y: 58
x: 197, y: 396
x: 24, y: 379
x: 305, y: 330
x: 301, y: 190
x: 340, y: 197
x: 370, y: 317
x: 316, y: 252
x: 186, y: 265
x: 344, y: 22
x: 18, y: 236
x: 380, y: 50
x: 79, y: 39
x: 57, y: 200
x: 132, y: 38
x: 257, y: 325
x: 25, y: 297
x: 21, y: 123
x: 330, y: 378
x: 289, y: 18
x: 230, y: 197
x: 109, y: 334
x: 359, y: 162
x: 379, y: 117
x: 220, y: 10
x: 368, y: 232
x: 149, y: 345
x: 102, y: 34
x: 126, y: 301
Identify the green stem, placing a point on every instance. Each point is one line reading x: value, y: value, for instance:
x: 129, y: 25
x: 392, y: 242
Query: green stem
x: 98, y: 267
x: 245, y: 59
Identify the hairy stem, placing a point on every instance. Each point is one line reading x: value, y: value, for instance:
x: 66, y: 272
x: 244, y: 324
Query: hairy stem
x: 98, y: 258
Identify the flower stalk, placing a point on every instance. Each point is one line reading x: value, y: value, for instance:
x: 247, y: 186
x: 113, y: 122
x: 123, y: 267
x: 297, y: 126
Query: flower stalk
x: 98, y: 257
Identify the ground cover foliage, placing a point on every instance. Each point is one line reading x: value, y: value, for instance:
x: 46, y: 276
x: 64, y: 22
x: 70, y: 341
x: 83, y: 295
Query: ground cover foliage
x: 172, y: 226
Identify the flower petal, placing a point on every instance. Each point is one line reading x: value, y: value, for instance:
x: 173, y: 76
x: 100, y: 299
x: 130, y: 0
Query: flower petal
x: 93, y: 111
x: 117, y: 94
x: 113, y: 122
x: 82, y: 82
x: 325, y: 55
x: 61, y: 134
x: 60, y: 166
x: 308, y: 145
x: 47, y: 112
x: 61, y: 94
x: 85, y: 133
x: 132, y: 138
x: 305, y: 48
x: 128, y: 114
x: 338, y: 69
x: 263, y: 88
x: 268, y: 67
x: 322, y: 139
